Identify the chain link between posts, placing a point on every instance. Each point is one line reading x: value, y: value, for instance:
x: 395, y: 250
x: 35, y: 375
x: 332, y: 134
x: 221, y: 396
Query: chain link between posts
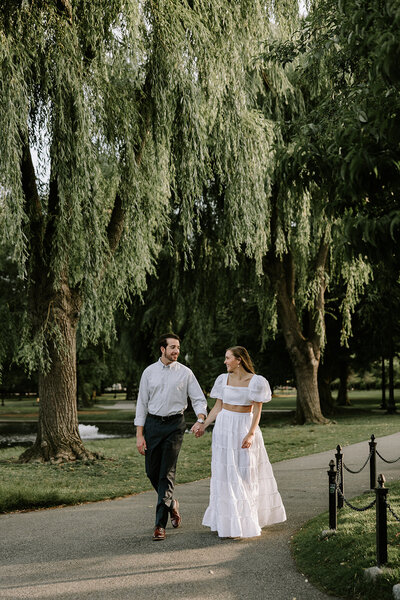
x: 362, y: 509
x: 392, y: 511
x: 384, y: 459
x: 359, y: 470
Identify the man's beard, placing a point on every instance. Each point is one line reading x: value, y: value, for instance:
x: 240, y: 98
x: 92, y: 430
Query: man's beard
x: 170, y: 357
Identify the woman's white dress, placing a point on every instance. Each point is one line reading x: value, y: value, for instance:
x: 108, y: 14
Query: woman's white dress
x: 243, y: 493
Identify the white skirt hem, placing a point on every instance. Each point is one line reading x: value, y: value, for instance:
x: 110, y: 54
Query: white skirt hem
x: 243, y: 493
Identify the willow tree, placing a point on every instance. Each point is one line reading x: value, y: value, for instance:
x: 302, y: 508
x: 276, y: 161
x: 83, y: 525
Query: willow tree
x: 338, y: 143
x: 296, y: 248
x: 306, y: 253
x: 125, y: 105
x: 239, y: 220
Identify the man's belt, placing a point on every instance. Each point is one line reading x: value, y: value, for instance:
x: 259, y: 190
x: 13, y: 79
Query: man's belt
x: 165, y: 419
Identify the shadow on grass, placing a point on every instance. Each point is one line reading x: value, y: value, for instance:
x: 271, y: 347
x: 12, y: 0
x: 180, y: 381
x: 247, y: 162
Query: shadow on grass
x: 26, y: 500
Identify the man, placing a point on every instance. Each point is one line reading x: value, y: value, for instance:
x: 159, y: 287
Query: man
x: 160, y: 425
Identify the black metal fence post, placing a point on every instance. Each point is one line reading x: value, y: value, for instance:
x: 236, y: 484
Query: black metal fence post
x: 381, y: 521
x: 332, y: 496
x: 339, y: 468
x: 372, y: 463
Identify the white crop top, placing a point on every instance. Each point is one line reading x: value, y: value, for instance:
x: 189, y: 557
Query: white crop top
x: 258, y: 390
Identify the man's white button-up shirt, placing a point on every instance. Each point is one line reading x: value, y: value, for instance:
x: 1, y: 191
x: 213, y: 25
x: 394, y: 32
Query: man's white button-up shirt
x: 164, y: 390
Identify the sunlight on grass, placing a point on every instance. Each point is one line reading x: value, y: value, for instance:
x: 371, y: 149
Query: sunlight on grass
x: 336, y: 564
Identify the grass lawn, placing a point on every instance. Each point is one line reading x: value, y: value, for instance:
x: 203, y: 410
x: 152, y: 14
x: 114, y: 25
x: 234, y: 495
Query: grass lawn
x: 336, y: 564
x: 28, y: 408
x: 21, y: 409
x: 284, y: 440
x: 122, y: 471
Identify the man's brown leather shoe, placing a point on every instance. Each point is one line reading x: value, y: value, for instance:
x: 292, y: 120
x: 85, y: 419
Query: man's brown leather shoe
x: 175, y: 516
x: 159, y: 534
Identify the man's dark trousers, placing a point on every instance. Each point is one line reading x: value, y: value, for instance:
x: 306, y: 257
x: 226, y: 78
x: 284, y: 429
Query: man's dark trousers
x: 163, y: 442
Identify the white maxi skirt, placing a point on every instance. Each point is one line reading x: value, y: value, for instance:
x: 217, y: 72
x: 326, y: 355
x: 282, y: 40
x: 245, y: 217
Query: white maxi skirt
x: 243, y: 493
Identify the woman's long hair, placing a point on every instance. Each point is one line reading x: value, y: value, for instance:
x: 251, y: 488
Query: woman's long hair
x: 241, y: 353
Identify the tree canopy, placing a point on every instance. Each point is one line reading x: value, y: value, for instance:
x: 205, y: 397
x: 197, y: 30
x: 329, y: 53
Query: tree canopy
x: 131, y: 105
x: 230, y: 144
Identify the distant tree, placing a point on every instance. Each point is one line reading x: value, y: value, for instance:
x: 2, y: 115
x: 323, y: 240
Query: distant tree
x: 95, y: 371
x: 377, y: 326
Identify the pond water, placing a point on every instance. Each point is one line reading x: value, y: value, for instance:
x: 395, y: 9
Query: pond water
x: 87, y: 432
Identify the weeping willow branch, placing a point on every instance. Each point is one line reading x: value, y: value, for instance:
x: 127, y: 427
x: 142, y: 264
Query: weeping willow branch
x: 317, y: 321
x: 116, y: 225
x: 32, y: 199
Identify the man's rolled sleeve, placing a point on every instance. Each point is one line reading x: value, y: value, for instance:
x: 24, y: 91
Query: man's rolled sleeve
x: 142, y: 402
x: 196, y: 396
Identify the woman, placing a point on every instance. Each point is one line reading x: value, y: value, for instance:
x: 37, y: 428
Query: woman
x: 243, y: 491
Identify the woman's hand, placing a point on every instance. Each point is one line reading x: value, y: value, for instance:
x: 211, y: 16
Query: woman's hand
x: 198, y: 429
x: 248, y: 440
x: 195, y: 427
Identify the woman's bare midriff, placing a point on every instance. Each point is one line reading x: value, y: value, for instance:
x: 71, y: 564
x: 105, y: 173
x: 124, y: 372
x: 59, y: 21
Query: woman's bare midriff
x: 237, y: 408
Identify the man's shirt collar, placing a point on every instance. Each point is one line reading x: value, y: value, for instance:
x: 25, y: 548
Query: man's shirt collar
x: 169, y: 366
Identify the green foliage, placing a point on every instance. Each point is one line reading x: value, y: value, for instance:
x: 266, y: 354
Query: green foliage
x: 217, y: 158
x: 124, y: 104
x: 345, y: 51
x: 11, y: 307
x: 299, y: 94
x: 333, y: 92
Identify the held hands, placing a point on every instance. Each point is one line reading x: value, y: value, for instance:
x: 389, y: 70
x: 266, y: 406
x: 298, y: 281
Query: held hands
x: 198, y: 429
x: 248, y: 440
x: 141, y: 444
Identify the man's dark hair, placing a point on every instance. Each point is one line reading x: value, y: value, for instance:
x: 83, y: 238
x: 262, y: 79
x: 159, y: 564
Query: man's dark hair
x: 163, y: 339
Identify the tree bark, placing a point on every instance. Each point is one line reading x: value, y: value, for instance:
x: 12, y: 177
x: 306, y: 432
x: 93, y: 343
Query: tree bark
x: 305, y: 363
x: 58, y: 438
x: 304, y: 352
x: 55, y: 311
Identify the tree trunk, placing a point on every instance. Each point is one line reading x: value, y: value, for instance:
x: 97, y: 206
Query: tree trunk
x: 383, y: 384
x: 308, y: 408
x: 55, y: 310
x: 326, y: 399
x: 343, y: 396
x: 58, y: 438
x: 304, y: 351
x: 131, y: 390
x: 391, y: 408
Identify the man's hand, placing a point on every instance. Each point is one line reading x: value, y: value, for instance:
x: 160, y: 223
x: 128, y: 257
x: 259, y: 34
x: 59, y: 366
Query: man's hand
x: 198, y: 429
x: 141, y: 444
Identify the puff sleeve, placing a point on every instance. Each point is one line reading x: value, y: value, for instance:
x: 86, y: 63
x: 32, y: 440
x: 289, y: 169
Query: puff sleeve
x: 217, y: 388
x: 259, y: 389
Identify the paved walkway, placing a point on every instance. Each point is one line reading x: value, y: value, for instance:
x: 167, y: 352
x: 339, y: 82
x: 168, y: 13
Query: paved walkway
x: 120, y: 405
x: 104, y: 551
